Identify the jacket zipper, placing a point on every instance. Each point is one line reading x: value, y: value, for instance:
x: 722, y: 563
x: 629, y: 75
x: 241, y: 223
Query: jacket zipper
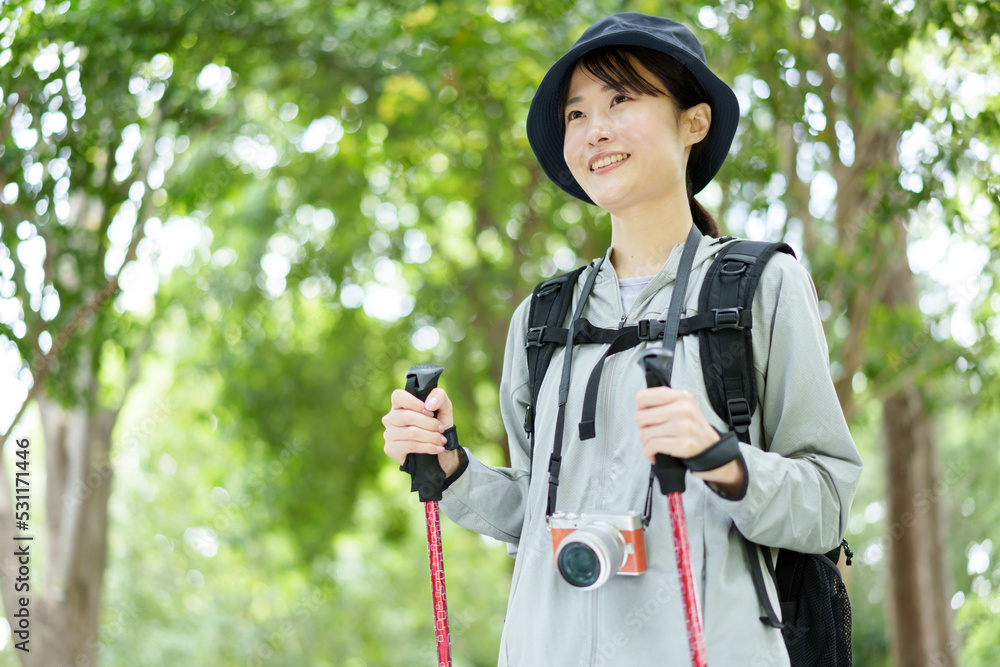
x: 606, y: 378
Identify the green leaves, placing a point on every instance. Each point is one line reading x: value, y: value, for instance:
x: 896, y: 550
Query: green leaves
x: 330, y: 192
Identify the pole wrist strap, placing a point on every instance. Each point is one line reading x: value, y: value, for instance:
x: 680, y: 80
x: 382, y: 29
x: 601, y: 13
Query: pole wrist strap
x: 716, y: 456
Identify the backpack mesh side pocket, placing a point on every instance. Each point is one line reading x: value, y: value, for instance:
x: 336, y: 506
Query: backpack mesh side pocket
x: 817, y: 614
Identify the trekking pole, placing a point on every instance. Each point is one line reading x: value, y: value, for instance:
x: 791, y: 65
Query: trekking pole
x: 428, y: 481
x: 670, y: 473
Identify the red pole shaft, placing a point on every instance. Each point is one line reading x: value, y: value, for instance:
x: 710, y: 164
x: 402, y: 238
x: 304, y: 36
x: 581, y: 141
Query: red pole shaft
x: 437, y: 583
x: 696, y: 638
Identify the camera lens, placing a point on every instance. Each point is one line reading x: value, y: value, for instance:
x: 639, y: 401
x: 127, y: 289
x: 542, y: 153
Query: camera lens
x: 588, y: 556
x: 579, y: 565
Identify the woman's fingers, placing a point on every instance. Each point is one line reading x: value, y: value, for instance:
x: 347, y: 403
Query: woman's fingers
x: 403, y: 399
x: 410, y: 428
x: 438, y: 401
x: 654, y: 396
x: 664, y: 442
x: 400, y: 441
x: 676, y: 416
x: 671, y: 422
x: 400, y: 417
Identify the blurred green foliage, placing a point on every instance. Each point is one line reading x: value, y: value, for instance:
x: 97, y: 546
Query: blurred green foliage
x: 333, y: 191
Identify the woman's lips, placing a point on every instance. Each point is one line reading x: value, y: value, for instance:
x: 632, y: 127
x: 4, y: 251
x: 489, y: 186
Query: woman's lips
x: 607, y: 162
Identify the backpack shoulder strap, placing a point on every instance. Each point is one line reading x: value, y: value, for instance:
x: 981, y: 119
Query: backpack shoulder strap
x: 726, y: 345
x: 550, y: 304
x: 724, y: 329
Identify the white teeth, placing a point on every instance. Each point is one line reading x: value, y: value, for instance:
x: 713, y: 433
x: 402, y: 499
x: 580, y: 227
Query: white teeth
x: 611, y: 159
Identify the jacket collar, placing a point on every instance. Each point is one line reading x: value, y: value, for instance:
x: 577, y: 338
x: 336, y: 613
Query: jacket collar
x: 668, y: 272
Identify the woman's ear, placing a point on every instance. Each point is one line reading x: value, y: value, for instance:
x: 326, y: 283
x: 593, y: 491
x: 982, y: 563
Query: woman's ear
x: 697, y: 121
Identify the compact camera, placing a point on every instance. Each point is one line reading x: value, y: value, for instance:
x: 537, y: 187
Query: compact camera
x: 591, y: 546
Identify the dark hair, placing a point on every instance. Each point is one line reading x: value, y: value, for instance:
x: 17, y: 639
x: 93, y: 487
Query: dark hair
x: 613, y: 65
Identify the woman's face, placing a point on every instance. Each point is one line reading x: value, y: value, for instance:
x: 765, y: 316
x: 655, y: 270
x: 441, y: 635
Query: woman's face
x: 628, y: 150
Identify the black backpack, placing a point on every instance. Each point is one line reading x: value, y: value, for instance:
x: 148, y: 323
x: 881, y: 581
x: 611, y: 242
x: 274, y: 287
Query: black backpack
x: 814, y: 602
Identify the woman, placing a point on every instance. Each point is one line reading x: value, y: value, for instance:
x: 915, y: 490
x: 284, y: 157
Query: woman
x: 631, y: 119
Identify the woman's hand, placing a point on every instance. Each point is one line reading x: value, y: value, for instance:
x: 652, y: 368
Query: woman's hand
x: 671, y: 422
x: 412, y: 428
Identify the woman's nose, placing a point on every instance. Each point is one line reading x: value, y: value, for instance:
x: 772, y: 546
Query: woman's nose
x: 599, y: 130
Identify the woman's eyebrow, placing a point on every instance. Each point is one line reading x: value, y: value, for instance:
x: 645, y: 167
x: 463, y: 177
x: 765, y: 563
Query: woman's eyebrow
x: 605, y: 88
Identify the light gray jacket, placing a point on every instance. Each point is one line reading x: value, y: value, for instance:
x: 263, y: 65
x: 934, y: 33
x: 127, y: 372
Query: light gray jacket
x: 798, y: 495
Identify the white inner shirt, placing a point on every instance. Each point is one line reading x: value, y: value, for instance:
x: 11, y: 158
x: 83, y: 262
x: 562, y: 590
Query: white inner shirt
x: 630, y: 288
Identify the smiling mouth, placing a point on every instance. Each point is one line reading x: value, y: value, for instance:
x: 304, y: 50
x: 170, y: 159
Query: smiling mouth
x: 611, y: 159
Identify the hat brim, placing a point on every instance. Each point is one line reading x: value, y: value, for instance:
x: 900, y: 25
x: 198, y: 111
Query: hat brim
x: 546, y: 136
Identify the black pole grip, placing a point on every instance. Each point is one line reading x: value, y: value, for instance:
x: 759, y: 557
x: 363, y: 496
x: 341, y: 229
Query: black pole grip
x: 425, y: 471
x: 657, y: 364
x: 420, y: 379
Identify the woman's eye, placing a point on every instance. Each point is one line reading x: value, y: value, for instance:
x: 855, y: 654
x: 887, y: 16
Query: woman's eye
x: 574, y: 114
x: 620, y: 98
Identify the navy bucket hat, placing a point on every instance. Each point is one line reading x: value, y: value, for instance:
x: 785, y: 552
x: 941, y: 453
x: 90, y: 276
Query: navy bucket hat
x: 630, y: 29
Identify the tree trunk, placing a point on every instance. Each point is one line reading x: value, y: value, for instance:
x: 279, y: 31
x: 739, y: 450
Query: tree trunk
x: 72, y: 549
x: 918, y: 592
x: 920, y: 622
